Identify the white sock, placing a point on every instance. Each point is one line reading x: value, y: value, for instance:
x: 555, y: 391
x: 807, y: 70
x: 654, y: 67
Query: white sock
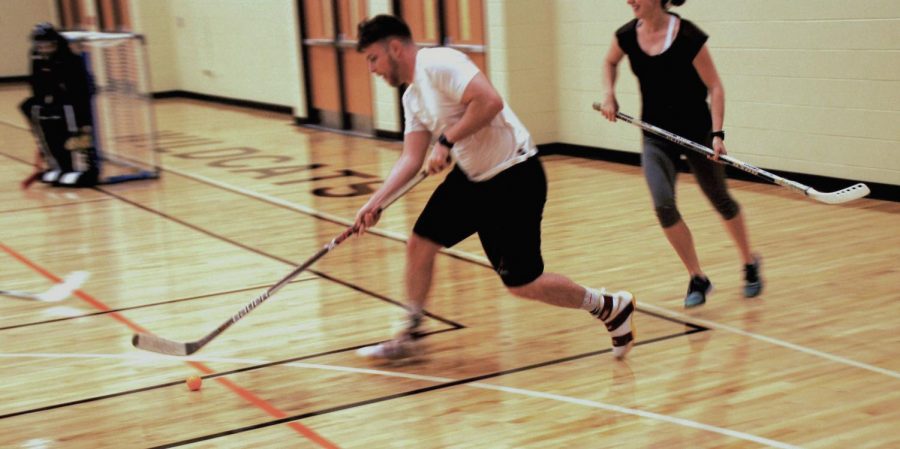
x: 596, y: 300
x: 591, y: 299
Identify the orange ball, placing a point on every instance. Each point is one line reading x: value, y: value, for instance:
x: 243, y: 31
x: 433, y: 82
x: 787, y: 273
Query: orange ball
x: 194, y: 382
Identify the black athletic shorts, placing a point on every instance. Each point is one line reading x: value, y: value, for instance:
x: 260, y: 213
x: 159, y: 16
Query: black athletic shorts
x: 505, y: 211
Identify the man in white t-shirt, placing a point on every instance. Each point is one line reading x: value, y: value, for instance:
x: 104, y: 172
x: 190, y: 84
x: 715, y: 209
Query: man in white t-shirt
x: 497, y: 188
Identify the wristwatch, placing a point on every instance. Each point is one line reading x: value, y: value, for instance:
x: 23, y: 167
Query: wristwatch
x: 720, y: 134
x: 442, y: 139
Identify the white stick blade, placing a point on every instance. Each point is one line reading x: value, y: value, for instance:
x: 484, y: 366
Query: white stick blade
x: 20, y: 295
x: 851, y: 193
x: 159, y: 345
x: 65, y: 288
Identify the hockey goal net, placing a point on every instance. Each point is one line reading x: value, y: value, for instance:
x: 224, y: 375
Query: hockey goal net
x: 124, y: 121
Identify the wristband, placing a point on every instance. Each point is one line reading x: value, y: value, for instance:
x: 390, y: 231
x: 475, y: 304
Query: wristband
x: 720, y: 134
x: 442, y: 139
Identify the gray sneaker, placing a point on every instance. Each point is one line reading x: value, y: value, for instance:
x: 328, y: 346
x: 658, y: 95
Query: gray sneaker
x: 698, y: 289
x: 753, y: 283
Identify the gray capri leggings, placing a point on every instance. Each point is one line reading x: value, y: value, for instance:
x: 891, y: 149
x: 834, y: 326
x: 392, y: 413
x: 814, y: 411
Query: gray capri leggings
x: 658, y: 160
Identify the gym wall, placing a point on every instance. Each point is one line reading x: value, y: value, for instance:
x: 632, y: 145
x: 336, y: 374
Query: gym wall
x: 17, y: 18
x: 811, y: 86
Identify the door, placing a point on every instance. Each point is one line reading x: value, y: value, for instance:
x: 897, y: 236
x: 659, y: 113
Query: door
x: 357, y: 82
x: 113, y: 16
x: 339, y: 85
x: 464, y: 21
x: 456, y: 24
x: 321, y: 66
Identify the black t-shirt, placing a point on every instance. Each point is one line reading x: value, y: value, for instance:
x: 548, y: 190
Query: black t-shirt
x: 673, y: 95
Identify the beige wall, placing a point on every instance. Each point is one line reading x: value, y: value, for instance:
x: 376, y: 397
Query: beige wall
x: 154, y: 20
x: 239, y: 49
x: 17, y: 18
x: 523, y: 59
x: 811, y: 86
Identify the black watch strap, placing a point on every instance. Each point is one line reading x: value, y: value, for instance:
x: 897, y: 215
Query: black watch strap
x: 442, y: 139
x: 720, y: 134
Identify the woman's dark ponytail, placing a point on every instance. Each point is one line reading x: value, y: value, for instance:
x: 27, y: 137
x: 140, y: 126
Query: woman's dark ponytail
x: 672, y: 2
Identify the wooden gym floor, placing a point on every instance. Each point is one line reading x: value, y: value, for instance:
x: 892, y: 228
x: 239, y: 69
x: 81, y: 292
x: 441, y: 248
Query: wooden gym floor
x: 246, y: 195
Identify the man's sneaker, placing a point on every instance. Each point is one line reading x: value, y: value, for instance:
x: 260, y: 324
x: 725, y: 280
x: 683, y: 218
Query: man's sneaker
x: 753, y: 283
x: 617, y: 313
x: 699, y: 287
x: 401, y: 347
x: 404, y: 345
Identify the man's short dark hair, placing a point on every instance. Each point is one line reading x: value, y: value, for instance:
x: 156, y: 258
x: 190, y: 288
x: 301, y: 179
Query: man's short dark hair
x: 379, y: 28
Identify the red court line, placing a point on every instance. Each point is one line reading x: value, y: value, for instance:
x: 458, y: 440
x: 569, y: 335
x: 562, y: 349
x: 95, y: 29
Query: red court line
x: 243, y: 393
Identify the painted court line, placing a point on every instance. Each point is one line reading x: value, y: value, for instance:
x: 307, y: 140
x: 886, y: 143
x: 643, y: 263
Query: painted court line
x: 244, y: 394
x: 439, y: 380
x: 483, y: 261
x: 770, y: 340
x: 314, y: 213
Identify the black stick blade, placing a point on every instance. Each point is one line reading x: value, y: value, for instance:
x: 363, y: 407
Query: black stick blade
x: 161, y: 345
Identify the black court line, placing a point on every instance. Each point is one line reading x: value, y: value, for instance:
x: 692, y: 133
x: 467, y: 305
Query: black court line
x: 209, y: 376
x: 142, y: 306
x: 673, y: 320
x: 318, y: 216
x: 50, y: 206
x: 331, y: 220
x: 330, y: 409
x: 417, y: 391
x: 456, y: 326
x: 271, y: 256
x: 30, y: 164
x: 314, y: 215
x: 310, y: 214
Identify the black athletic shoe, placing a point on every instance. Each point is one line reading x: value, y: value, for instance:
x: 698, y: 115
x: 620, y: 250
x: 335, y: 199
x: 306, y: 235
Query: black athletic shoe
x: 753, y: 283
x: 699, y: 287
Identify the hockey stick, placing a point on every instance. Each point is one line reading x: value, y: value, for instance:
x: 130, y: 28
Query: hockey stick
x: 149, y: 342
x: 36, y: 173
x: 851, y: 193
x: 38, y: 159
x: 30, y: 179
x: 56, y: 293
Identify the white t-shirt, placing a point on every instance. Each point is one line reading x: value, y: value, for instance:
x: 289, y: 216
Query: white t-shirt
x: 433, y: 102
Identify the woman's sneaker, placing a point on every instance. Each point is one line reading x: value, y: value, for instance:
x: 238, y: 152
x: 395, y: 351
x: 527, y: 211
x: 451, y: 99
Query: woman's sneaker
x: 698, y: 289
x: 617, y: 313
x: 753, y: 283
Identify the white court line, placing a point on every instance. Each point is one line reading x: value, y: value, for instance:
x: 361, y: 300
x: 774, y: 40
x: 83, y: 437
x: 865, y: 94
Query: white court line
x: 483, y: 261
x: 316, y: 213
x: 774, y: 341
x: 480, y: 385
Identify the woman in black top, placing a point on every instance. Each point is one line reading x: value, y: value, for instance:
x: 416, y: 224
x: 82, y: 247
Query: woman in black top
x: 676, y: 73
